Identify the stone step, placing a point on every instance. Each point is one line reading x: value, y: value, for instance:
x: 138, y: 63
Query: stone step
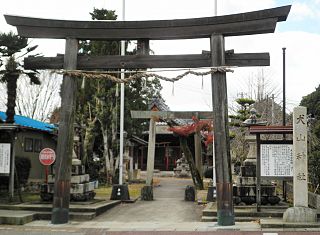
x: 103, y: 208
x: 209, y: 213
x: 98, y: 207
x: 276, y: 224
x: 25, y: 207
x: 263, y: 207
x: 16, y: 217
x: 252, y: 214
x: 77, y: 216
x: 237, y: 219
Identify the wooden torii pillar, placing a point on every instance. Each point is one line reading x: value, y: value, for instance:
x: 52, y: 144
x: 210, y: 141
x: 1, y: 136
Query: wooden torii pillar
x: 215, y: 28
x: 153, y: 115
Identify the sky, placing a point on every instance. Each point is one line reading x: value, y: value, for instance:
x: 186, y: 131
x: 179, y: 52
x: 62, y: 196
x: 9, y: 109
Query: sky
x: 300, y: 35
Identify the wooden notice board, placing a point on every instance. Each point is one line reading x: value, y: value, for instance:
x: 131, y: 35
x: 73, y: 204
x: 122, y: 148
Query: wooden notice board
x: 276, y: 160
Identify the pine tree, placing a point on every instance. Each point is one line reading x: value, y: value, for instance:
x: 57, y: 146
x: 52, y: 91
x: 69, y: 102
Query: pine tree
x: 10, y: 47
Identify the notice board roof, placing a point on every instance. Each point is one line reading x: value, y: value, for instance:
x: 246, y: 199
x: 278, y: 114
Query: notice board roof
x: 271, y: 130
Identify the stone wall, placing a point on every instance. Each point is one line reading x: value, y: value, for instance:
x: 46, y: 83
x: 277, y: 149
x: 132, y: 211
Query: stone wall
x: 313, y: 198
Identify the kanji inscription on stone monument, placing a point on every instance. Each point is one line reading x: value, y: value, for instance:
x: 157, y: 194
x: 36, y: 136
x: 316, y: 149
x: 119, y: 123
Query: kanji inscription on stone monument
x: 300, y: 160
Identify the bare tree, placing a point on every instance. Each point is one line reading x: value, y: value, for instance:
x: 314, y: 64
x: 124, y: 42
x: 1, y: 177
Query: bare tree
x: 260, y: 85
x: 36, y: 102
x: 263, y: 92
x: 3, y: 96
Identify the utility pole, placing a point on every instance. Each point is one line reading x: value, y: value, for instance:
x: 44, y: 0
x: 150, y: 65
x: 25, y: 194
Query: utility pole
x: 284, y: 87
x: 122, y: 104
x: 284, y: 111
x: 214, y: 178
x: 215, y: 7
x: 121, y: 191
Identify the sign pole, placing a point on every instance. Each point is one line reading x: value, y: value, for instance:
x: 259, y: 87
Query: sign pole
x: 12, y: 166
x: 258, y: 174
x: 47, y: 157
x: 46, y: 169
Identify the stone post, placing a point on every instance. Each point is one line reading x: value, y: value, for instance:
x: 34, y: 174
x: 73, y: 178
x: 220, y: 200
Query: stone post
x: 130, y: 175
x: 300, y: 211
x: 147, y: 191
x: 151, y: 151
x: 252, y: 154
x: 300, y: 161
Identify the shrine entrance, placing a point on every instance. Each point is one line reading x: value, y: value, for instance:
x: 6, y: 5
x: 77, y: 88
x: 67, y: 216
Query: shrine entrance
x: 215, y: 28
x: 195, y: 165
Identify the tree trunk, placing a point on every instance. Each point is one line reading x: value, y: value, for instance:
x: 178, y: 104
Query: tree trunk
x: 89, y: 141
x: 114, y: 161
x: 198, y: 183
x: 107, y: 154
x: 12, y: 95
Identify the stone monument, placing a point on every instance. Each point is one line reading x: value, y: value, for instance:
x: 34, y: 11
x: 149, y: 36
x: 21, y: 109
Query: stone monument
x: 300, y: 212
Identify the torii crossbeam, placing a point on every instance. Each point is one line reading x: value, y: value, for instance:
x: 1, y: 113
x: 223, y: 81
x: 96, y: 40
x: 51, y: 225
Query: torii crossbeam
x: 215, y: 28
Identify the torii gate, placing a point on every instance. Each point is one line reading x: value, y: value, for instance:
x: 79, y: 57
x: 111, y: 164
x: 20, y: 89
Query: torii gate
x: 215, y: 28
x: 165, y: 115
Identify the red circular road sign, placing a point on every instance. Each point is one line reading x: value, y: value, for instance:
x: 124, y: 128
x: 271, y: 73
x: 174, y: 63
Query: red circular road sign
x: 47, y: 156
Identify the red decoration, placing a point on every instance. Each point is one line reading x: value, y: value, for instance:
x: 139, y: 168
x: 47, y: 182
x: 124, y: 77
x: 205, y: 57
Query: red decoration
x: 205, y: 127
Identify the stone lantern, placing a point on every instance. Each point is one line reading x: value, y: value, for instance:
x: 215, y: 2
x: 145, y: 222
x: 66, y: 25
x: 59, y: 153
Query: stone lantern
x: 245, y: 189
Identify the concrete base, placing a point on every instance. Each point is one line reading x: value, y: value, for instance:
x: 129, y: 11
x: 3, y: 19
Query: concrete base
x: 60, y: 215
x: 211, y: 195
x: 225, y: 218
x: 300, y: 215
x: 147, y: 193
x: 190, y: 193
x: 120, y: 192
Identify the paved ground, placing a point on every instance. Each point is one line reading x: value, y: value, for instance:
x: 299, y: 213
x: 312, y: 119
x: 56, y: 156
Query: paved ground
x: 168, y: 206
x: 22, y: 230
x: 167, y: 214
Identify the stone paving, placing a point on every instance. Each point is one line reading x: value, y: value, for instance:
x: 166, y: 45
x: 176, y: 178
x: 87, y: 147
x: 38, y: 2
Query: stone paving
x: 168, y: 206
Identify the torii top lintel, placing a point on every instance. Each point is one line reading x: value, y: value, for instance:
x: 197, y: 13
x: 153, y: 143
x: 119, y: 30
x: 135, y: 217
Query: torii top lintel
x: 256, y: 22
